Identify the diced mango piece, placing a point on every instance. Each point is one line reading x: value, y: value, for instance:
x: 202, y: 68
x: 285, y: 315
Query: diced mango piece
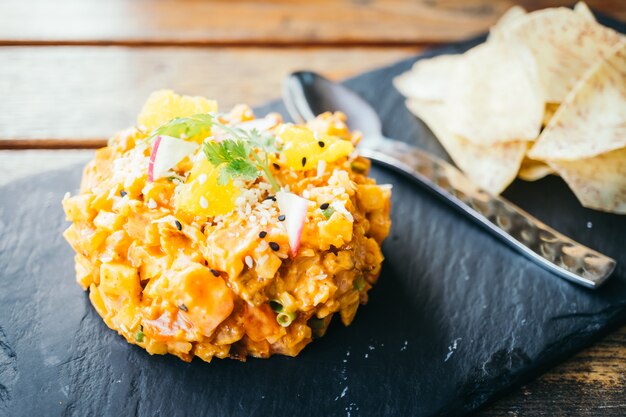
x: 85, y: 271
x: 372, y: 197
x: 165, y: 105
x: 208, y: 299
x: 260, y: 322
x: 127, y: 318
x: 78, y: 208
x: 201, y: 195
x: 336, y: 231
x: 303, y: 149
x: 96, y: 300
x: 119, y: 279
x: 108, y: 220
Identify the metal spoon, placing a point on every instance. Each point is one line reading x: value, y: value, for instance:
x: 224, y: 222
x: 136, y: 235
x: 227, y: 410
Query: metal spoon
x: 307, y: 94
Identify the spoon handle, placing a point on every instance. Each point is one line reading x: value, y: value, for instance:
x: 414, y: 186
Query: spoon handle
x: 542, y: 244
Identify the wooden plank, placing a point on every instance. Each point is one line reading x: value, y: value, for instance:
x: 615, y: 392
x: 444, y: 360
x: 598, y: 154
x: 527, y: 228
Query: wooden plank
x: 278, y: 22
x: 592, y: 383
x: 79, y: 96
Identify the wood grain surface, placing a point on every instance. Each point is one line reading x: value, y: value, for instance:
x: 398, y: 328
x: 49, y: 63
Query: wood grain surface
x: 79, y: 96
x: 64, y: 86
x: 323, y: 22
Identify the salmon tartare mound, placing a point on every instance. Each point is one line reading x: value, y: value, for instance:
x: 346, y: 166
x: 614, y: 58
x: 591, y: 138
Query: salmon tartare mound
x: 200, y: 233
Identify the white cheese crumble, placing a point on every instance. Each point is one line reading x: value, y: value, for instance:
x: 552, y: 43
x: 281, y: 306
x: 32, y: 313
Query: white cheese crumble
x: 152, y: 204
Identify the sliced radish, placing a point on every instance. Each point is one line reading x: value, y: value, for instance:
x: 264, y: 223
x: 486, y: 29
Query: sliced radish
x: 167, y: 152
x: 294, y: 208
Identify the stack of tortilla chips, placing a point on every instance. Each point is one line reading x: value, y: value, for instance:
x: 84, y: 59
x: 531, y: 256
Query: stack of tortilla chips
x: 546, y: 93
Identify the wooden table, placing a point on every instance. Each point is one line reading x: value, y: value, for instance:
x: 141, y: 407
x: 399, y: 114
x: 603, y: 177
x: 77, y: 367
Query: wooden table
x: 72, y: 72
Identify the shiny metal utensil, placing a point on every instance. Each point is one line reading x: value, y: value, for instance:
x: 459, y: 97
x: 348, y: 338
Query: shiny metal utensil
x: 307, y: 94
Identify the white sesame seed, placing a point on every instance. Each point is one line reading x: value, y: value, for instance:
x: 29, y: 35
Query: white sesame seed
x: 202, y: 178
x: 248, y: 260
x: 152, y: 204
x: 203, y: 202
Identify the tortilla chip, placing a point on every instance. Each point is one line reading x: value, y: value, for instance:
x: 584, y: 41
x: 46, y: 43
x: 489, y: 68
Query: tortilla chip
x: 506, y: 20
x: 429, y: 78
x: 565, y: 45
x: 582, y: 9
x: 592, y: 120
x: 494, y: 96
x: 491, y: 167
x: 599, y: 182
x: 549, y: 112
x: 533, y: 170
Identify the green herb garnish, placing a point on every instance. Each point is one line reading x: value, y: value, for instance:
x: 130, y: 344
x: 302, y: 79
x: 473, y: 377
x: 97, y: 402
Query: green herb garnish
x: 328, y: 211
x: 240, y: 155
x: 276, y: 306
x: 358, y: 167
x: 186, y: 127
x: 285, y: 319
x: 139, y: 335
x: 359, y: 283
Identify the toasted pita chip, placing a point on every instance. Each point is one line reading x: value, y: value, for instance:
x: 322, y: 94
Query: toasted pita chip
x: 510, y: 16
x: 491, y: 167
x: 494, y: 96
x: 429, y: 79
x: 582, y: 9
x: 598, y: 182
x: 593, y: 118
x: 533, y: 170
x: 565, y: 45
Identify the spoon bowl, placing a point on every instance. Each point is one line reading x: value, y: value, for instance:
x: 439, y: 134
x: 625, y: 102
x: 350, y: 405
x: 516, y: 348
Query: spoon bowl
x: 308, y: 94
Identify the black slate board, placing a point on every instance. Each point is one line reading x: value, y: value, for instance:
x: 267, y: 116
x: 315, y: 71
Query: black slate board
x: 456, y: 319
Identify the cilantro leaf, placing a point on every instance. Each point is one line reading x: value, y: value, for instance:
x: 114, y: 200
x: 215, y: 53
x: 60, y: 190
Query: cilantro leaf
x: 186, y: 126
x: 238, y: 168
x: 244, y: 155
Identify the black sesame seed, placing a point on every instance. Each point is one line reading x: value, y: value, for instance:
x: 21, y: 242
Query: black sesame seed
x: 214, y: 272
x: 183, y: 307
x: 178, y: 225
x: 123, y: 193
x: 274, y: 246
x: 281, y: 218
x: 270, y: 197
x: 262, y: 234
x: 304, y: 161
x: 275, y: 165
x: 324, y: 206
x: 321, y: 143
